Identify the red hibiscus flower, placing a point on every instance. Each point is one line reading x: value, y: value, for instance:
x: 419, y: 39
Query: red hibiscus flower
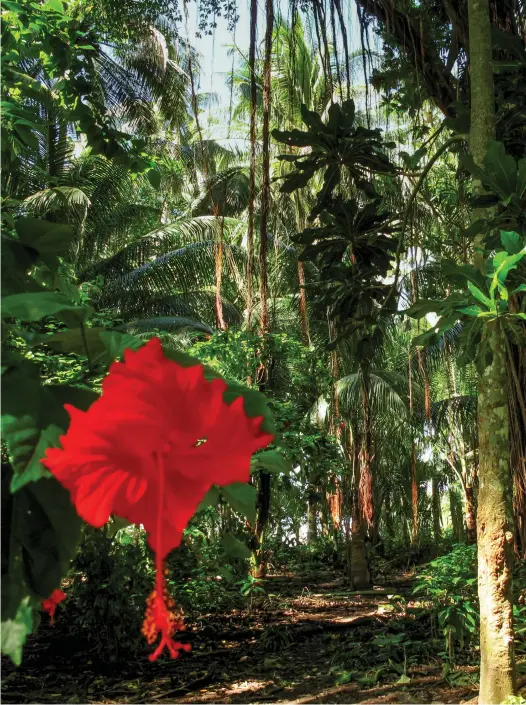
x: 50, y: 605
x: 148, y: 450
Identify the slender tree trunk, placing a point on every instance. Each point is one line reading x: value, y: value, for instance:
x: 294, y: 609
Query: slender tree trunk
x: 265, y: 189
x: 359, y: 568
x: 366, y: 486
x: 260, y: 567
x: 389, y: 528
x: 435, y: 507
x: 304, y: 316
x: 259, y: 564
x: 495, y: 528
x: 470, y: 514
x: 457, y: 523
x: 312, y: 515
x: 414, y: 480
x: 252, y: 177
x: 220, y: 320
x: 414, y: 495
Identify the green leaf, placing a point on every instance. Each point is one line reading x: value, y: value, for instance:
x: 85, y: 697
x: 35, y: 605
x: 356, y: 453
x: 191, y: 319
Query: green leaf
x: 75, y: 341
x: 28, y: 467
x: 116, y: 343
x: 234, y: 547
x: 210, y: 499
x: 53, y: 6
x: 37, y: 305
x: 403, y: 680
x: 154, y: 177
x: 521, y: 180
x: 480, y: 296
x: 423, y: 307
x: 511, y: 241
x: 43, y: 236
x: 502, y: 168
x: 242, y: 498
x: 42, y: 531
x: 15, y: 631
x: 272, y: 461
x: 471, y: 310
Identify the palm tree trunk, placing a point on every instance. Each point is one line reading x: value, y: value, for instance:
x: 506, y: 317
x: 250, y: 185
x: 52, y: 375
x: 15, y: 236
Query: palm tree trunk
x: 312, y: 515
x: 359, y: 567
x: 252, y: 177
x: 495, y: 529
x: 457, y: 523
x: 414, y: 480
x: 265, y: 189
x: 435, y: 508
x: 366, y: 486
x: 260, y: 568
x: 220, y: 320
x: 304, y: 317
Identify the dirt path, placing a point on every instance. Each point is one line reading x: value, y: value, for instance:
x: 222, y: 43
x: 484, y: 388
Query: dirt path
x: 306, y: 641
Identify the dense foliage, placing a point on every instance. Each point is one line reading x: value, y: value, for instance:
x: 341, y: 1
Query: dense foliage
x: 355, y: 275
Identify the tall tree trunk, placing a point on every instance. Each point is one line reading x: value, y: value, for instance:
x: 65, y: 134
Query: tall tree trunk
x: 304, y: 316
x: 414, y: 495
x: 389, y: 528
x: 470, y: 514
x: 220, y: 320
x: 359, y: 567
x: 414, y: 480
x: 259, y: 563
x: 252, y: 177
x: 366, y: 486
x: 495, y: 528
x: 265, y: 187
x: 260, y: 567
x: 457, y: 523
x: 435, y: 508
x: 312, y: 515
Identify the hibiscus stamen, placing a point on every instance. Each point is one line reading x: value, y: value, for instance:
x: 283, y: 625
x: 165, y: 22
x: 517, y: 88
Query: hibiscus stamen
x: 160, y: 617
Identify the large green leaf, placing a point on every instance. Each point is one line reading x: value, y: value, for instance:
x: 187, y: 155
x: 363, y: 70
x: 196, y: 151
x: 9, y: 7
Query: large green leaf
x: 43, y: 236
x: 234, y: 547
x: 75, y: 341
x: 480, y: 295
x: 15, y: 631
x: 272, y: 461
x: 512, y: 242
x: 242, y: 498
x: 43, y: 531
x: 26, y: 446
x: 210, y: 499
x: 34, y: 306
x: 502, y: 168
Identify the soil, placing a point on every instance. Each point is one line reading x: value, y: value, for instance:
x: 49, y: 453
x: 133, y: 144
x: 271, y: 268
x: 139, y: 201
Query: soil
x: 308, y: 640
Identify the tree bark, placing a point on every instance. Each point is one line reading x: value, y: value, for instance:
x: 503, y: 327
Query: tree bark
x: 252, y: 177
x: 435, y: 508
x: 265, y: 188
x: 495, y: 528
x: 312, y: 516
x: 259, y: 564
x: 470, y: 514
x: 457, y: 523
x: 359, y: 568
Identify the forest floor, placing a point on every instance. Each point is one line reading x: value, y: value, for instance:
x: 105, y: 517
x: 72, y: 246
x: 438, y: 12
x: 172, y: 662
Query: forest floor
x: 308, y: 640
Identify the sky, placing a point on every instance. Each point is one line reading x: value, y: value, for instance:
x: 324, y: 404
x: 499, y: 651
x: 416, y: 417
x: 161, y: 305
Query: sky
x: 216, y: 64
